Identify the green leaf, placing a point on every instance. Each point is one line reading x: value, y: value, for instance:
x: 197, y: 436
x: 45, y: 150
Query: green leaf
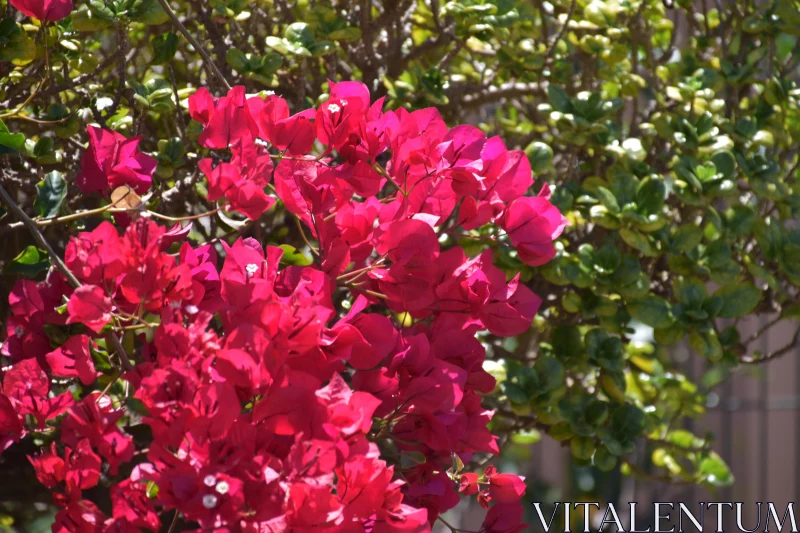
x: 15, y: 44
x: 150, y: 13
x: 540, y: 156
x: 51, y: 192
x: 607, y: 259
x: 769, y: 235
x: 596, y: 412
x: 567, y: 341
x: 550, y: 371
x: 725, y: 163
x: 516, y: 394
x: 582, y: 447
x: 278, y: 44
x: 299, y: 34
x: 348, y: 34
x: 604, y: 460
x: 650, y: 194
x: 738, y: 299
x: 237, y: 60
x: 30, y: 262
x: 10, y: 140
x: 690, y: 292
x: 715, y: 471
x: 43, y: 147
x: 292, y: 256
x: 321, y: 48
x: 706, y: 344
x: 559, y: 98
x: 627, y: 423
x: 740, y: 219
x: 637, y: 240
x: 86, y: 20
x: 101, y: 10
x: 164, y: 47
x: 526, y: 436
x: 684, y: 439
x: 687, y: 238
x: 608, y: 199
x: 152, y: 490
x: 653, y: 311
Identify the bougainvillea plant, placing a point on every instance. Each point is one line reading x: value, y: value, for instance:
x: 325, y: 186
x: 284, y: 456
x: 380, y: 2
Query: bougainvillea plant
x: 243, y: 394
x: 666, y: 130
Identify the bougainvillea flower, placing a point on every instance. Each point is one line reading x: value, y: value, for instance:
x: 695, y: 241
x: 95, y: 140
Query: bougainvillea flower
x: 72, y: 360
x: 504, y: 488
x: 11, y: 428
x: 90, y: 306
x: 532, y: 224
x: 113, y: 160
x: 227, y: 119
x: 504, y: 518
x: 45, y: 10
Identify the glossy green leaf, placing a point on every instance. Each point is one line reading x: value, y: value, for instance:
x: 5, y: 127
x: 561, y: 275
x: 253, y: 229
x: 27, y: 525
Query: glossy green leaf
x: 50, y: 192
x: 164, y: 47
x: 738, y: 299
x: 653, y: 311
x: 29, y: 263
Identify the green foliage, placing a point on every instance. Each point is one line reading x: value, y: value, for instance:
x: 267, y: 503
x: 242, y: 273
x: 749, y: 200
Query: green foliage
x: 668, y: 137
x: 30, y: 262
x: 164, y: 47
x: 51, y: 192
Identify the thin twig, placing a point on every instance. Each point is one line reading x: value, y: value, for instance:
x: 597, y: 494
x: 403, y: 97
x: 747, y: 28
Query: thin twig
x: 303, y: 235
x: 75, y: 216
x: 26, y: 102
x: 38, y: 237
x: 179, y: 111
x: 774, y: 355
x: 196, y: 45
x: 174, y: 522
x: 182, y: 219
x: 560, y: 34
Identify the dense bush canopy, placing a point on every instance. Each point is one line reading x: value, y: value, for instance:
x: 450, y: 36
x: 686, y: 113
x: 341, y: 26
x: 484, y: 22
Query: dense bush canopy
x: 175, y: 154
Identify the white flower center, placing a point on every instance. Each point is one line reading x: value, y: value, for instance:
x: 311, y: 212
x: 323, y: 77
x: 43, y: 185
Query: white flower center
x: 222, y: 487
x: 209, y: 501
x: 104, y: 402
x: 333, y: 108
x: 209, y: 480
x: 252, y: 268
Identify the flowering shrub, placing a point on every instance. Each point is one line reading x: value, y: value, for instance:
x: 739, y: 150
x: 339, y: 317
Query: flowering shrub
x: 664, y: 131
x: 343, y: 395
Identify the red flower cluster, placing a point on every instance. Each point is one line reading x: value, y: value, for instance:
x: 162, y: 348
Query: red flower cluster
x: 325, y: 398
x: 113, y: 160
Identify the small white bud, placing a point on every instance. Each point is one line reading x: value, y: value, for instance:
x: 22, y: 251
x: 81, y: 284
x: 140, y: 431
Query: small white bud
x: 209, y: 501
